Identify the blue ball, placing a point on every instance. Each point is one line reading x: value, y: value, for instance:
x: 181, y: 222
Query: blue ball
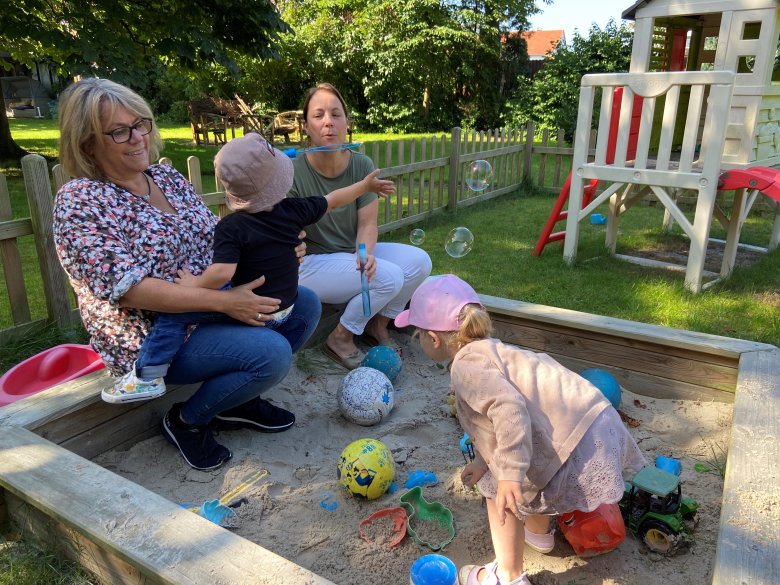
x: 385, y: 359
x: 605, y: 382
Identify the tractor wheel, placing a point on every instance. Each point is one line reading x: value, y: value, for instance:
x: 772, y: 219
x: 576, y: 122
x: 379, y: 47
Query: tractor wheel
x: 658, y: 537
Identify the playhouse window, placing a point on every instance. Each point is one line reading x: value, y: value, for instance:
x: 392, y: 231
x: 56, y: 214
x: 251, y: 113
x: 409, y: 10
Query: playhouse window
x: 751, y: 31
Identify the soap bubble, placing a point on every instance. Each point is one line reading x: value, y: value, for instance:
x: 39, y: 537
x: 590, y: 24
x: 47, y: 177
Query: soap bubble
x: 417, y: 237
x: 459, y: 242
x: 480, y: 175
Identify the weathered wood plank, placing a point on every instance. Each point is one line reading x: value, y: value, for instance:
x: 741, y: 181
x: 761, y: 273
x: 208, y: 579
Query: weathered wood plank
x: 66, y: 543
x: 649, y: 385
x: 164, y: 542
x: 651, y: 359
x: 749, y: 541
x: 699, y: 342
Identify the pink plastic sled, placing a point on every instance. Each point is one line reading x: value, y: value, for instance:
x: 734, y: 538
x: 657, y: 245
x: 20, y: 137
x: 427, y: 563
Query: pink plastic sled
x: 53, y: 366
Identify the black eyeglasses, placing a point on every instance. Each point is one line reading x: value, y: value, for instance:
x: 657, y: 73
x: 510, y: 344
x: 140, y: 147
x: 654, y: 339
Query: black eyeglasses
x: 124, y: 133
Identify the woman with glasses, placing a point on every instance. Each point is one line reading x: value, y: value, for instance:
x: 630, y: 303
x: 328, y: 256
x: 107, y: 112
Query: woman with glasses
x: 330, y: 269
x: 123, y: 228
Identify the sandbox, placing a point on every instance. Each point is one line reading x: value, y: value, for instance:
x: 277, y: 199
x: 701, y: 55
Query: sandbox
x: 695, y: 397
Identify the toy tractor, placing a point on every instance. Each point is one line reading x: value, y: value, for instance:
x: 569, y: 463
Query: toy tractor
x: 654, y: 509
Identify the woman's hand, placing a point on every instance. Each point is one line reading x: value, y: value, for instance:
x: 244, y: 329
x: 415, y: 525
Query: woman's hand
x: 472, y: 473
x: 370, y: 266
x: 300, y: 249
x: 247, y: 307
x: 508, y: 497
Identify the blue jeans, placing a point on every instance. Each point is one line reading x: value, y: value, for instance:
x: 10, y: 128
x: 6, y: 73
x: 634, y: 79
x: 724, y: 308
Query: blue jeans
x: 238, y: 362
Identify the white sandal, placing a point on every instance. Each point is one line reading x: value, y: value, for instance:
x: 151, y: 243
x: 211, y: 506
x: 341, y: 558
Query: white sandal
x: 469, y: 574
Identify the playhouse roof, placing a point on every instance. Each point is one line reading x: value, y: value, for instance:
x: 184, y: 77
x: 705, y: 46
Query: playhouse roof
x: 630, y: 12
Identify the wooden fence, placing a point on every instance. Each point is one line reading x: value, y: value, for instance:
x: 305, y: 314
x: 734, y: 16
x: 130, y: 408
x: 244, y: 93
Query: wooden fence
x: 430, y: 174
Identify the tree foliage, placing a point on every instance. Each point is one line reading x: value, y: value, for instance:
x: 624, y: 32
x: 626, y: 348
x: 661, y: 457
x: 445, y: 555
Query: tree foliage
x: 133, y: 41
x: 553, y: 96
x: 406, y: 65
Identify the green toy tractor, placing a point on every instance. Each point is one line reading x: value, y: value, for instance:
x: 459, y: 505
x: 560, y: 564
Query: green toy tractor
x: 654, y: 509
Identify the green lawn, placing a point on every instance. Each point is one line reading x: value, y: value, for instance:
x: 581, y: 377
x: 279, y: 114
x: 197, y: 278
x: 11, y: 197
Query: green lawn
x: 505, y: 230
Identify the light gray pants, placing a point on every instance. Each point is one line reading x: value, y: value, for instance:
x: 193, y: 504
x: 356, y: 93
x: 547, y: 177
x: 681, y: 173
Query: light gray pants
x: 400, y: 269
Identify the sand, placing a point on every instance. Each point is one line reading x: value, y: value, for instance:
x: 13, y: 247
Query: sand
x: 288, y: 510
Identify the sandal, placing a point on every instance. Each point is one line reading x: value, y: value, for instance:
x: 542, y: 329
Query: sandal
x: 350, y: 362
x: 469, y: 574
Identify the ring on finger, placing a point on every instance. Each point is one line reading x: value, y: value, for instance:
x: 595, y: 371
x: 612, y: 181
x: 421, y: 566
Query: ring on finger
x: 259, y: 317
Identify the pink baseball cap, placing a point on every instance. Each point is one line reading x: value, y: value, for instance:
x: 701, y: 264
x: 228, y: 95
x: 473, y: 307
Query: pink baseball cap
x: 437, y: 303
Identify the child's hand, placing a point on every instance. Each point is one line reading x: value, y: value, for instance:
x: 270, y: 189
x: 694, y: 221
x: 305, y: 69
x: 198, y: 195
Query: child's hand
x: 472, y: 473
x: 382, y: 187
x: 186, y: 278
x: 508, y: 496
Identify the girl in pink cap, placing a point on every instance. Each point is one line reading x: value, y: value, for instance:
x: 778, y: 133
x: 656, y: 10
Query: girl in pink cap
x: 546, y: 440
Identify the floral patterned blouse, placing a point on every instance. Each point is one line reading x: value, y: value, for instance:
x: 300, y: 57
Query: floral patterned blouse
x: 108, y: 240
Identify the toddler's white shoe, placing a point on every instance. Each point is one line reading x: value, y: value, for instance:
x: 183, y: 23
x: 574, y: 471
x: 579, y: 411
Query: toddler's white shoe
x: 469, y: 575
x: 542, y: 543
x: 130, y: 388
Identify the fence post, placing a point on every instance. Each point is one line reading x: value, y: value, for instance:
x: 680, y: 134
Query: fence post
x: 452, y: 187
x: 529, y: 149
x: 193, y: 172
x: 41, y: 201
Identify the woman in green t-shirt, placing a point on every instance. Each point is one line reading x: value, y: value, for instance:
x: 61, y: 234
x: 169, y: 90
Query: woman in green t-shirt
x: 332, y: 266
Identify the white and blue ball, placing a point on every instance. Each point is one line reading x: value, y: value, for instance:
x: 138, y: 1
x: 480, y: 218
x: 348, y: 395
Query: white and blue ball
x: 385, y: 359
x: 365, y: 396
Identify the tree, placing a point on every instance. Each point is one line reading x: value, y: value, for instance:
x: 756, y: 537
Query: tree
x: 553, y: 96
x: 124, y: 40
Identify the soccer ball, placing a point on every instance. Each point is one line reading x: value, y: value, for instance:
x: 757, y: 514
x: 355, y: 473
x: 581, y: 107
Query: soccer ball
x: 385, y: 359
x: 366, y: 469
x: 365, y: 396
x: 605, y: 382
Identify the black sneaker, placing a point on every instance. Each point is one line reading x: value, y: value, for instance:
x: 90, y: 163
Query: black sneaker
x: 196, y: 443
x: 258, y: 415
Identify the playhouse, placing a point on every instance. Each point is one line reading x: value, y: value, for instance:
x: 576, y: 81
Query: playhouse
x: 702, y: 97
x: 739, y: 36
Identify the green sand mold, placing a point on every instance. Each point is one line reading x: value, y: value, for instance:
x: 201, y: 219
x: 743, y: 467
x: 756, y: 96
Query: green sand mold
x: 420, y: 510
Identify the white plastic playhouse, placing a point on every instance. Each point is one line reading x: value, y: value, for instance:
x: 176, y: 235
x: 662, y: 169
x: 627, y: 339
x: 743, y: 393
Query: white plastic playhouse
x: 699, y: 111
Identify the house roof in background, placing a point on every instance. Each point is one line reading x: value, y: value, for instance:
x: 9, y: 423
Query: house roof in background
x: 541, y: 42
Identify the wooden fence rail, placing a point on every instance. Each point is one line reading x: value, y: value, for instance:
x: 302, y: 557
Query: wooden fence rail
x: 430, y: 175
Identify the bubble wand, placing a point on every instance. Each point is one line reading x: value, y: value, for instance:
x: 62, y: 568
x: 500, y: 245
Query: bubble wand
x: 363, y: 255
x: 293, y: 152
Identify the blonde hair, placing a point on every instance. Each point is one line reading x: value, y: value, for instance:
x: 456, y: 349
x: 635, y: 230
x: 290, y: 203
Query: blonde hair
x: 82, y: 107
x: 475, y: 324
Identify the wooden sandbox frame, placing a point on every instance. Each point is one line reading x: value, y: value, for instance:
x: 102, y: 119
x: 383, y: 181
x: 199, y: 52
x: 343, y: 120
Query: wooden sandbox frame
x: 125, y: 534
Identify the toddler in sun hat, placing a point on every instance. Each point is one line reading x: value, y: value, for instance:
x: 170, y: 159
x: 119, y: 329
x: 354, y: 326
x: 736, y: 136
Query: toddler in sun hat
x: 257, y: 239
x: 546, y: 441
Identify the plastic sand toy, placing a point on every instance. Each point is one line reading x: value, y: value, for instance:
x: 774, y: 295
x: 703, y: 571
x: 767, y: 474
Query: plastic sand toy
x: 429, y: 523
x: 370, y: 528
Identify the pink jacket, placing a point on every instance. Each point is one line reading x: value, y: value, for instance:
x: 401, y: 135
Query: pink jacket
x: 524, y: 412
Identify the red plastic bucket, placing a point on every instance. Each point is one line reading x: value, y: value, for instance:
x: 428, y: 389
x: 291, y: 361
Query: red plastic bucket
x: 593, y: 533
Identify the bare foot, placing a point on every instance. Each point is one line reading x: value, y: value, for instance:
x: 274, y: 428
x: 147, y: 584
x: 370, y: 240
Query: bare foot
x: 342, y: 342
x: 377, y: 328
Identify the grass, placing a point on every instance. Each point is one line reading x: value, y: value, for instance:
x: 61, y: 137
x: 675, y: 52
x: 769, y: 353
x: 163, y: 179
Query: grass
x: 23, y: 564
